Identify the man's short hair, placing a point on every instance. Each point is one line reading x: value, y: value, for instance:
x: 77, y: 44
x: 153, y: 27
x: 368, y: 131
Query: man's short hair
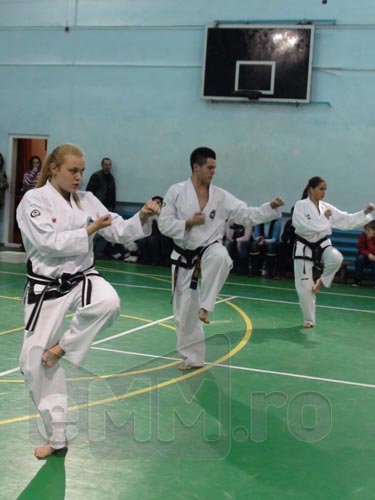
x: 104, y: 159
x: 157, y: 197
x: 200, y: 155
x: 370, y: 225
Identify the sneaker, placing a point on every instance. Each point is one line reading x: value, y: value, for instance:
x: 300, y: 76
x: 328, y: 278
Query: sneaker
x: 356, y: 284
x: 131, y: 258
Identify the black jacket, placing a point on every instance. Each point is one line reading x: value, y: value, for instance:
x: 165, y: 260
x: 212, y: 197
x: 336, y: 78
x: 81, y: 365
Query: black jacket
x: 104, y: 188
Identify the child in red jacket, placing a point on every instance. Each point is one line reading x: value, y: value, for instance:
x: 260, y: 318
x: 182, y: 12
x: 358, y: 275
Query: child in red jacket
x: 366, y: 254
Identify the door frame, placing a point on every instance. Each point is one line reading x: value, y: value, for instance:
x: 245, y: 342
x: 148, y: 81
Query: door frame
x: 11, y: 171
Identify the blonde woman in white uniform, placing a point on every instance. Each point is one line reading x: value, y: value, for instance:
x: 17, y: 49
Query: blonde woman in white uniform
x: 313, y: 220
x: 58, y: 224
x: 194, y: 214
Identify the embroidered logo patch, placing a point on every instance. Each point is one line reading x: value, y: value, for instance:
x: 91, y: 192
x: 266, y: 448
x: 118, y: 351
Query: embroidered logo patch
x: 35, y: 213
x: 308, y: 216
x: 212, y: 214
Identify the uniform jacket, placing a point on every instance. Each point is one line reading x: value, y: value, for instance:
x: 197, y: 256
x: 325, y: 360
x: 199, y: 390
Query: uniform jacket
x: 312, y: 225
x: 54, y: 233
x: 181, y: 202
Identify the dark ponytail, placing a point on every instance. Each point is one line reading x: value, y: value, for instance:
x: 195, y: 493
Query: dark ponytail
x: 313, y: 183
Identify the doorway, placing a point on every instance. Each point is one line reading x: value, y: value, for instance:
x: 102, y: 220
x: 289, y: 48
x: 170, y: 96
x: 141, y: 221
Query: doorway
x: 22, y: 148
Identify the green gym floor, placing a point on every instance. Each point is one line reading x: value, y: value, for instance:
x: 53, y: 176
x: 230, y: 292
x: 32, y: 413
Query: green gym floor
x: 278, y: 412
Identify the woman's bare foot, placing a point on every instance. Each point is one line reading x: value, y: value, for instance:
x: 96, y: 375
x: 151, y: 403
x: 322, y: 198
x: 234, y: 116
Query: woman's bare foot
x: 44, y: 451
x: 316, y: 287
x: 203, y: 316
x: 307, y: 325
x: 52, y: 355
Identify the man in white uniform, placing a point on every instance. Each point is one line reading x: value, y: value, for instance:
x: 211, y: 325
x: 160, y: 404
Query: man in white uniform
x: 194, y: 214
x: 58, y: 224
x: 313, y: 220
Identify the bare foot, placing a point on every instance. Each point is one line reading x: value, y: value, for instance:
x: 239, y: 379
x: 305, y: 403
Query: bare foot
x: 316, y: 287
x: 46, y: 450
x: 52, y: 355
x: 184, y: 367
x: 203, y: 316
x: 43, y: 451
x: 307, y: 325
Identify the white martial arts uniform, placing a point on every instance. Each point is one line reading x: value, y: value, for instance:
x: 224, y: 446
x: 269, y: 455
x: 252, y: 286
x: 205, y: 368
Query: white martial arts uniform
x: 181, y: 203
x: 56, y: 242
x: 312, y: 225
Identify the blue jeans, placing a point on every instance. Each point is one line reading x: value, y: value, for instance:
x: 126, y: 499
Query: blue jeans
x: 363, y: 262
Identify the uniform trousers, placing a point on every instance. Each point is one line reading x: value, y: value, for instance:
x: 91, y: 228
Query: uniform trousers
x: 47, y: 386
x: 215, y: 267
x: 303, y: 275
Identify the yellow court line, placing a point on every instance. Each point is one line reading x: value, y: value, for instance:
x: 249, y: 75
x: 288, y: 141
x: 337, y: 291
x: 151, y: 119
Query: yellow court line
x: 103, y: 377
x: 12, y: 331
x: 166, y: 383
x: 175, y: 380
x: 125, y: 374
x: 21, y: 328
x: 150, y: 276
x: 10, y: 298
x: 20, y: 381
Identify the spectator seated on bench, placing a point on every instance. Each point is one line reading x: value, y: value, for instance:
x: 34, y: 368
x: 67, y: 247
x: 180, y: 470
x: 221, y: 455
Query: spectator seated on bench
x: 264, y: 247
x: 366, y: 254
x: 237, y: 238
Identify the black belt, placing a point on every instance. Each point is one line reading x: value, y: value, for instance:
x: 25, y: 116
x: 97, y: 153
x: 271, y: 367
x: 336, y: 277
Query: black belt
x: 316, y: 251
x: 60, y: 287
x: 193, y: 260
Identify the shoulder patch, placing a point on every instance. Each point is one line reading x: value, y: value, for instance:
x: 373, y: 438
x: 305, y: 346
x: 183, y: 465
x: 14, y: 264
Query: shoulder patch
x: 35, y: 213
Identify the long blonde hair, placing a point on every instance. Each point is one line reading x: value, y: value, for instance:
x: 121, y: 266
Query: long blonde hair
x: 58, y: 158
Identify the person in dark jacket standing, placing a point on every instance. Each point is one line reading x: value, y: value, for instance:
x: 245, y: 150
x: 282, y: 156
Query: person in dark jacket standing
x: 102, y: 185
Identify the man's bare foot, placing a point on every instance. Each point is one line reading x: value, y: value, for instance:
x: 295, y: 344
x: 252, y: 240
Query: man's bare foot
x: 46, y: 450
x: 184, y: 367
x: 307, y: 325
x: 52, y: 355
x: 316, y: 287
x: 203, y: 316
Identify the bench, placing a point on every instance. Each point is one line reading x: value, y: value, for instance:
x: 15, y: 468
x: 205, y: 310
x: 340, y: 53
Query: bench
x: 346, y: 242
x: 128, y: 209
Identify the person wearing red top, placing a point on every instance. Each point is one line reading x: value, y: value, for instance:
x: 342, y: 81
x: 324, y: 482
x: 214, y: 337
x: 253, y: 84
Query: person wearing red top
x: 366, y: 254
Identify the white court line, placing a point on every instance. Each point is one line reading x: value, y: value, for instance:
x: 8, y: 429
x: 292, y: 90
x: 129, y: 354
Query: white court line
x: 274, y: 300
x: 235, y: 283
x: 147, y: 275
x: 12, y: 370
x: 135, y: 353
x: 127, y: 332
x: 142, y: 327
x: 297, y: 304
x: 244, y: 368
x: 322, y: 292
